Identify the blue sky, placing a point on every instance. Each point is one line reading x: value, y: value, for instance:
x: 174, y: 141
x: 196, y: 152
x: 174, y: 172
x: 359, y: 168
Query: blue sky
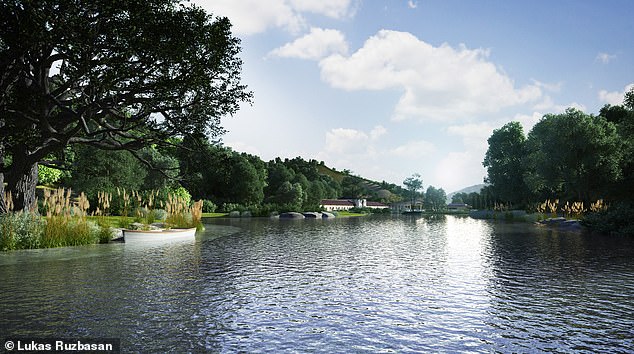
x: 391, y: 88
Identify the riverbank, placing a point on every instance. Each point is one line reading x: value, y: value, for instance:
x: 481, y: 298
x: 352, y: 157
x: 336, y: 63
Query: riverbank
x: 338, y: 214
x: 539, y: 219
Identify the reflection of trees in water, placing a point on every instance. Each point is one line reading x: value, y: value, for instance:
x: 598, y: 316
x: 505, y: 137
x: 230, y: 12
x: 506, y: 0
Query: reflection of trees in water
x: 561, y: 290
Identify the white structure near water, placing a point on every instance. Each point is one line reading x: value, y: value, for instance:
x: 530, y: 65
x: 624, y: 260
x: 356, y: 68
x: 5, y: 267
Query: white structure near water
x: 347, y: 204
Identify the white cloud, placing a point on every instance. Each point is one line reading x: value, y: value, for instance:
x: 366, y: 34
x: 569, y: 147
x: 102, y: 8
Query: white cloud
x: 553, y: 87
x: 241, y: 146
x: 438, y: 83
x: 614, y: 97
x: 377, y: 132
x: 314, y: 45
x: 474, y: 135
x: 332, y: 8
x: 548, y: 105
x: 414, y: 149
x: 605, y: 58
x: 412, y: 4
x: 254, y: 16
x: 342, y: 140
x: 528, y: 121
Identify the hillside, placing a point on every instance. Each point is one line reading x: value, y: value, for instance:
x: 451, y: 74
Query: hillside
x: 471, y: 189
x: 369, y: 185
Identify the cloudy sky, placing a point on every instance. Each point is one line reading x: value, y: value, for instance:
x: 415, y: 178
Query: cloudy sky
x: 391, y: 88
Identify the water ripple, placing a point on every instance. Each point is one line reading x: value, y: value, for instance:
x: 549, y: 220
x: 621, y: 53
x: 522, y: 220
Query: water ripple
x: 444, y: 284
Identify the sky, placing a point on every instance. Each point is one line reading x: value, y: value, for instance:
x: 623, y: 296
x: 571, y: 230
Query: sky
x: 387, y: 89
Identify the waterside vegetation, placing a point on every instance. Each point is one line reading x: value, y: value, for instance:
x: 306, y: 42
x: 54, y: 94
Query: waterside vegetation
x: 581, y: 164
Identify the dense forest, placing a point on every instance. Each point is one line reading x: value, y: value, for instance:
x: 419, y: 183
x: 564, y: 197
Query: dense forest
x: 225, y: 179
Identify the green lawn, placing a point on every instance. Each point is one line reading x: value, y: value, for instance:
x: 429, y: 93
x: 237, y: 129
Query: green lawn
x: 113, y: 221
x: 214, y: 215
x: 347, y: 214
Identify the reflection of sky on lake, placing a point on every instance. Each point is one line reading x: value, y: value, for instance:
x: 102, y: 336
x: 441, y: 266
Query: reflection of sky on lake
x: 442, y: 283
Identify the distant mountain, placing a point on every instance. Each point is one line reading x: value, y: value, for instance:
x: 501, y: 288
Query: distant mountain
x: 475, y: 188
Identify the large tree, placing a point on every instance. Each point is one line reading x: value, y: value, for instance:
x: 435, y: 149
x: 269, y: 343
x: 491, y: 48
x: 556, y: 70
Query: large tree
x: 414, y: 183
x: 435, y: 198
x: 573, y: 155
x: 504, y: 162
x: 113, y: 74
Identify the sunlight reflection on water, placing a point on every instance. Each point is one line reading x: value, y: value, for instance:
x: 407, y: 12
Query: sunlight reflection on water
x: 371, y: 284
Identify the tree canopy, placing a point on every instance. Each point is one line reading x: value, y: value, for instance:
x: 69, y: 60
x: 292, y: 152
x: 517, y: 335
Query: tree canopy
x: 572, y: 155
x: 504, y: 162
x: 113, y: 74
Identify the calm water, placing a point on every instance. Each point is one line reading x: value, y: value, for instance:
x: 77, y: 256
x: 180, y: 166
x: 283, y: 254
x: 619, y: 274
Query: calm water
x: 351, y: 285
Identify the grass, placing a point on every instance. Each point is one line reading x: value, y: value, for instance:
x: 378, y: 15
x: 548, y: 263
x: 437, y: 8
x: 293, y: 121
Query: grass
x: 347, y: 214
x: 111, y: 221
x: 215, y: 215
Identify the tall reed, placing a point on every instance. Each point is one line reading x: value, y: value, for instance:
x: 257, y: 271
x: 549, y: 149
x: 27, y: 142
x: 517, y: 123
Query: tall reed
x: 66, y: 223
x: 125, y: 198
x: 181, y: 215
x: 103, y: 209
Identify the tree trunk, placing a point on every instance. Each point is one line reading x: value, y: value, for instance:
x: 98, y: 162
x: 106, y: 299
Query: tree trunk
x: 3, y: 207
x: 21, y: 182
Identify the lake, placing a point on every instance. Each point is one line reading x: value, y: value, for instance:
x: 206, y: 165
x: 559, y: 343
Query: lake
x: 372, y: 284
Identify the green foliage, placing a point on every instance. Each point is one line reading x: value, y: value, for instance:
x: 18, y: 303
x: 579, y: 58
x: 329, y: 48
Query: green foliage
x: 133, y: 75
x: 178, y: 192
x: 615, y: 220
x: 98, y: 170
x: 27, y: 231
x: 413, y: 185
x: 222, y: 175
x: 48, y: 175
x: 20, y: 231
x: 209, y: 206
x: 573, y: 156
x: 435, y: 199
x: 505, y: 164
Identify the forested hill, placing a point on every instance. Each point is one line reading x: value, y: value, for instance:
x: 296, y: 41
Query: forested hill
x: 225, y: 179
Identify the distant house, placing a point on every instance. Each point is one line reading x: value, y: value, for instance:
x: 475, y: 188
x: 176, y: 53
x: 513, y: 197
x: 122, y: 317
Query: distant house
x: 458, y: 207
x: 347, y: 204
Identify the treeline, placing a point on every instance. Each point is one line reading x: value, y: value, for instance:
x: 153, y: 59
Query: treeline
x: 572, y: 156
x: 226, y: 180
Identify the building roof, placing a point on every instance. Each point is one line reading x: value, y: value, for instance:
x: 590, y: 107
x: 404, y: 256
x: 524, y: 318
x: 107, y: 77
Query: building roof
x: 336, y: 202
x: 345, y: 202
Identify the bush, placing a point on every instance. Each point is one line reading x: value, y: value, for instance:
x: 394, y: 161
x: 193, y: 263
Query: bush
x: 47, y: 175
x: 20, y: 231
x: 209, y: 206
x: 616, y: 220
x: 229, y: 207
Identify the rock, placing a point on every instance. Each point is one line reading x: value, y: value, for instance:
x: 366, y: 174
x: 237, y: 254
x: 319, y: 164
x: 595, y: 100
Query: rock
x: 327, y: 215
x: 312, y: 215
x: 292, y: 215
x: 234, y: 214
x: 246, y: 214
x: 552, y: 221
x: 157, y: 225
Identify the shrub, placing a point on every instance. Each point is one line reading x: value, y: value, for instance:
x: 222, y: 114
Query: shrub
x: 47, y: 175
x: 20, y: 231
x: 209, y: 206
x: 229, y: 207
x: 615, y: 220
